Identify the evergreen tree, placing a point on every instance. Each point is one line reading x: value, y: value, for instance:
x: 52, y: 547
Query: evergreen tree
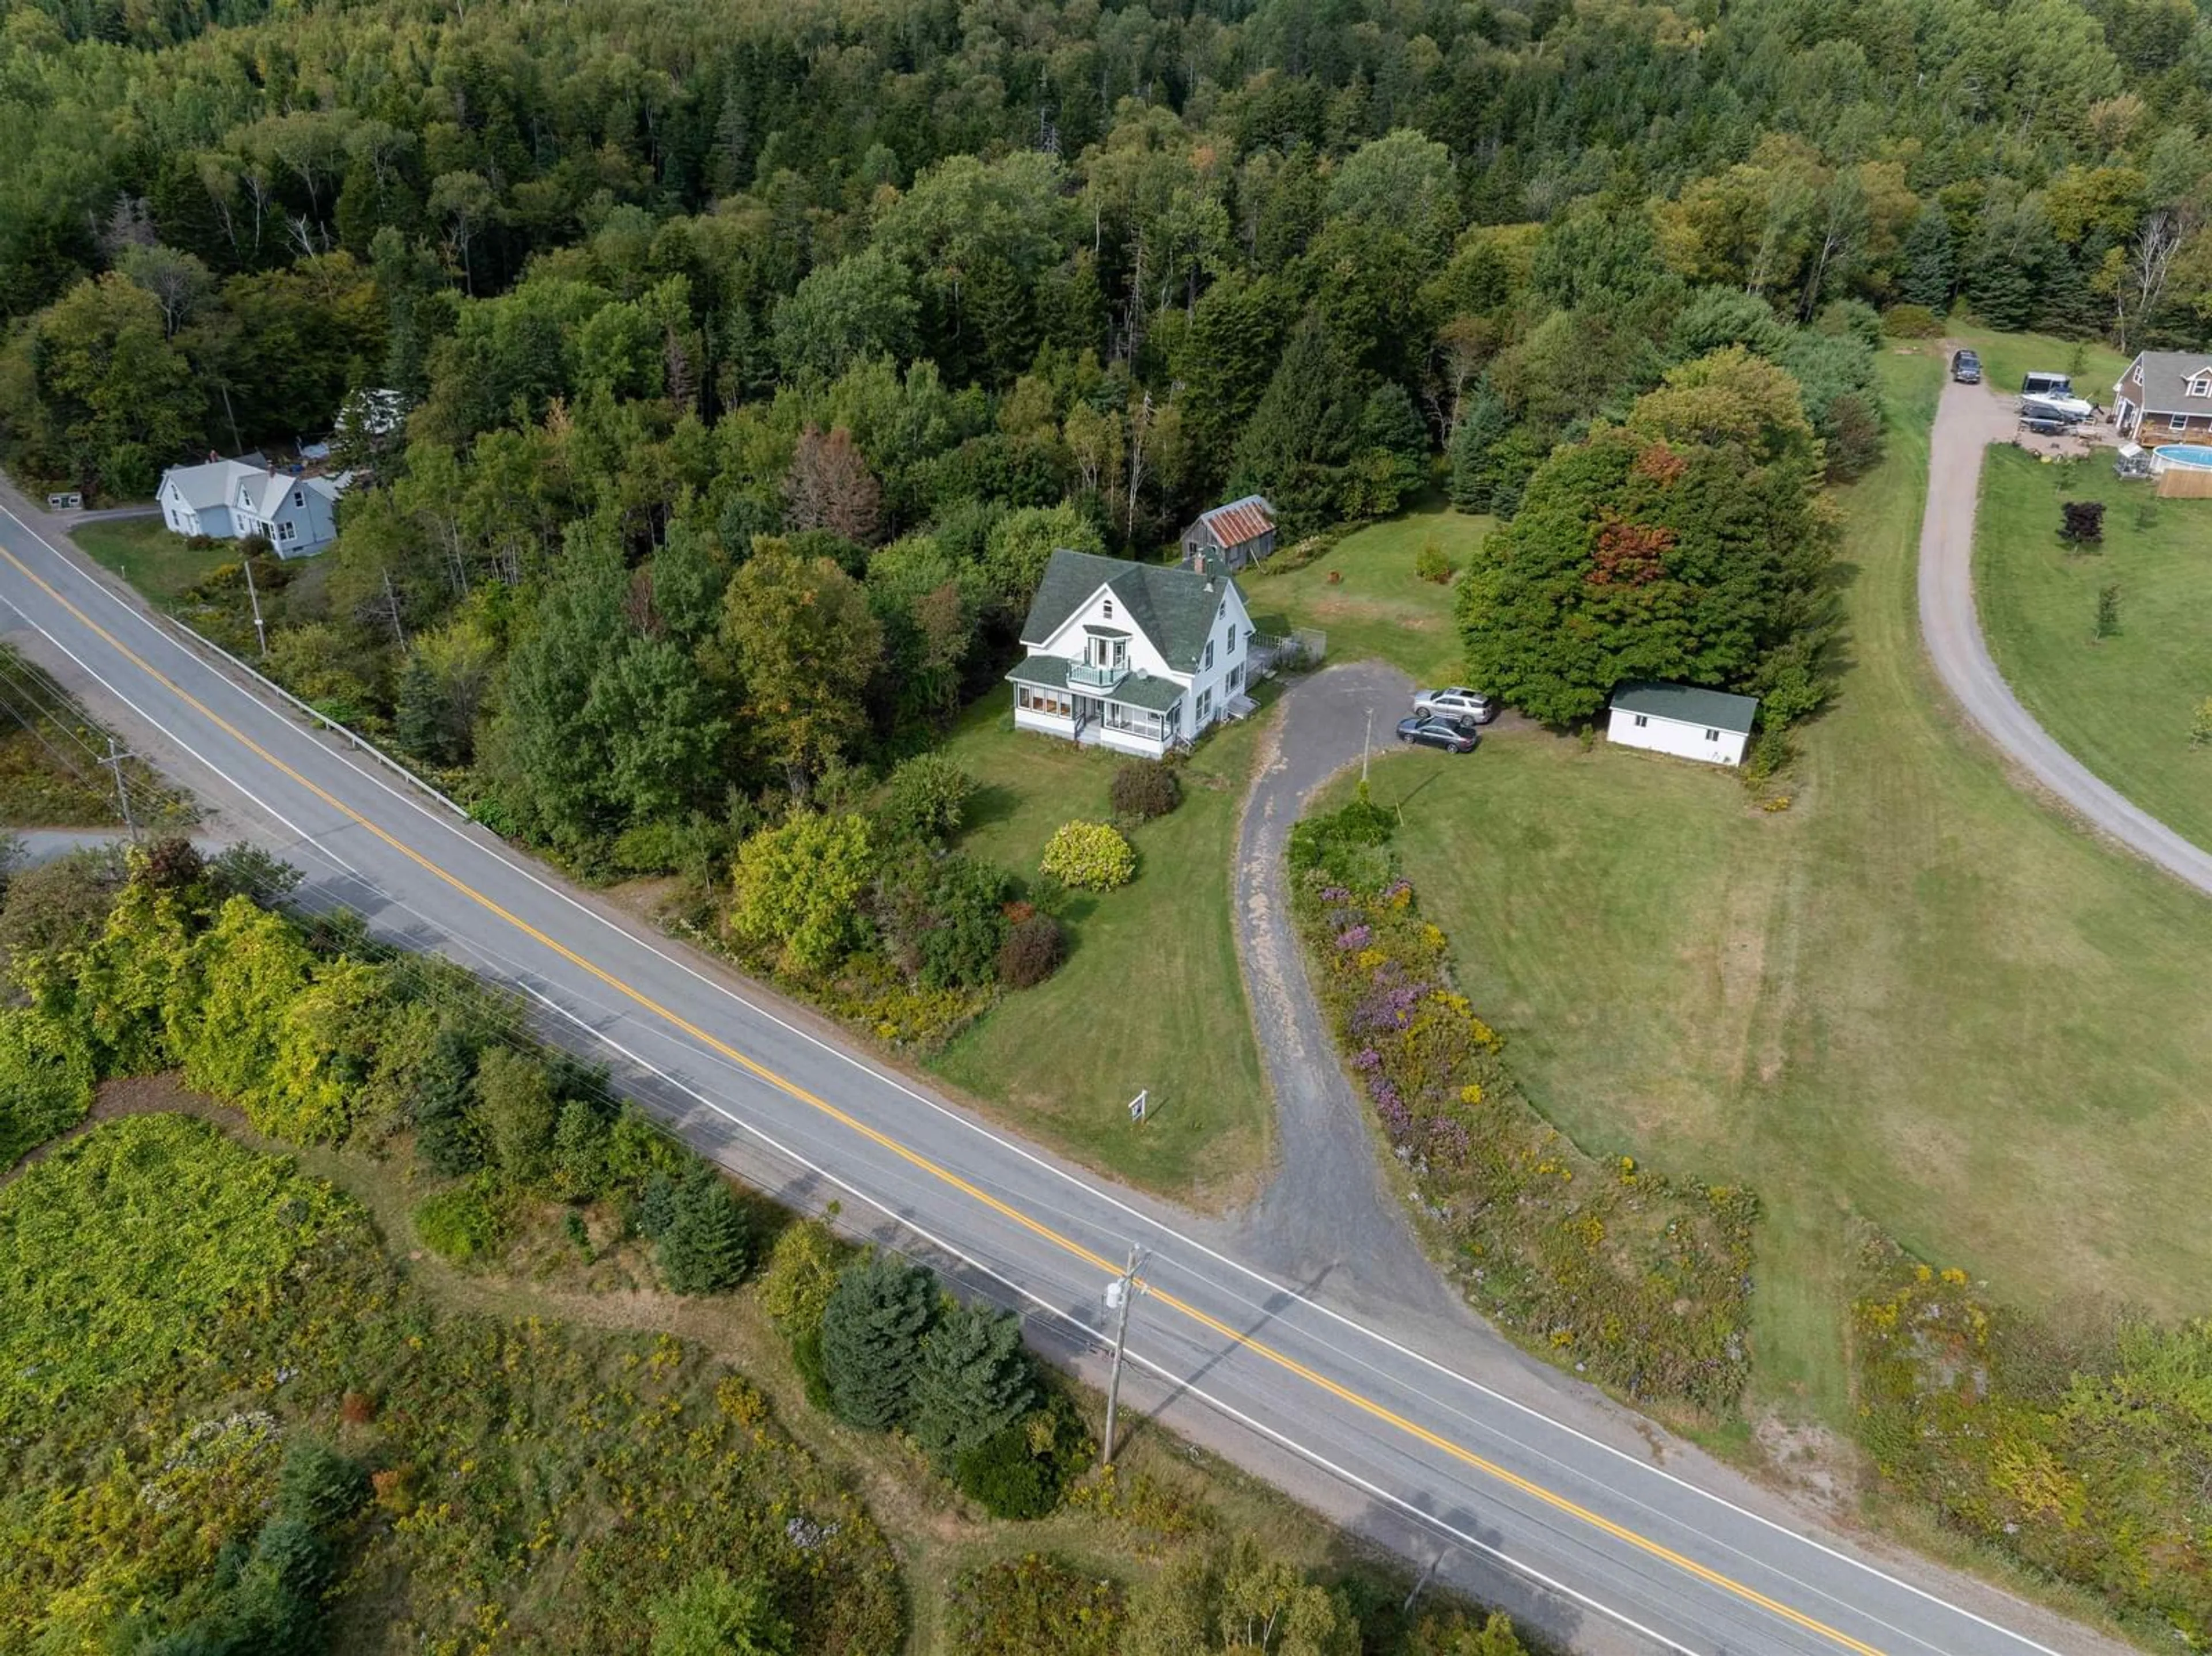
x: 1929, y: 269
x: 419, y: 718
x: 1295, y: 448
x: 1389, y: 424
x: 871, y: 1338
x: 2003, y: 293
x: 656, y: 1206
x: 974, y: 1382
x: 445, y: 1124
x: 705, y: 1247
x: 1482, y: 420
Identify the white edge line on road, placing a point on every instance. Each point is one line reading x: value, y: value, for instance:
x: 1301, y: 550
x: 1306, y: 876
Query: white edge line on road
x: 1091, y: 1337
x: 496, y: 850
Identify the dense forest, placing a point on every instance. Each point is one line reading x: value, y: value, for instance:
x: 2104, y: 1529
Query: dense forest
x: 905, y: 297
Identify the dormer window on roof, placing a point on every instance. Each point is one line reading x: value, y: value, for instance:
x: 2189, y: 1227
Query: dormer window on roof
x: 2200, y: 383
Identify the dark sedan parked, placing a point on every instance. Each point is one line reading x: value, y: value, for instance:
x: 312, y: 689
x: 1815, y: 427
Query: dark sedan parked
x: 1967, y: 368
x: 1439, y: 733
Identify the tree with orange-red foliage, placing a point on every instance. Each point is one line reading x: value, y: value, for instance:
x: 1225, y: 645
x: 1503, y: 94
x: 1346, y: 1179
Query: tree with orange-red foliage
x: 1691, y: 543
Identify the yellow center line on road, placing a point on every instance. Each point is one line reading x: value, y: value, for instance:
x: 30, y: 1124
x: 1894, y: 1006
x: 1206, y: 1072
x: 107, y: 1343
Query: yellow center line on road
x: 1106, y: 1267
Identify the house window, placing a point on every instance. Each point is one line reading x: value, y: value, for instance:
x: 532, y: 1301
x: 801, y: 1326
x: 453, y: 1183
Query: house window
x: 299, y: 497
x: 1232, y: 648
x: 1205, y: 705
x: 1107, y: 610
x: 2200, y: 384
x: 1641, y: 721
x: 1209, y: 655
x: 1236, y: 676
x: 1712, y: 736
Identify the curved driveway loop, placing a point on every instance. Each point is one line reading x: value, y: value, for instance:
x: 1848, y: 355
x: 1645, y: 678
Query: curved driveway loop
x: 1967, y: 420
x: 1328, y: 1217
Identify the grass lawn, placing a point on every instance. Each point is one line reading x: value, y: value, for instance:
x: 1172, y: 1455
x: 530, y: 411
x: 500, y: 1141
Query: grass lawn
x: 153, y: 558
x: 1917, y: 999
x: 2007, y: 357
x: 2121, y: 705
x: 1150, y: 997
x: 1379, y: 608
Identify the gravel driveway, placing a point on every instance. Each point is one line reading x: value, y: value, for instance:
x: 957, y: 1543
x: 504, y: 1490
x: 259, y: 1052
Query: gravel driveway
x: 1329, y: 1215
x: 1967, y: 420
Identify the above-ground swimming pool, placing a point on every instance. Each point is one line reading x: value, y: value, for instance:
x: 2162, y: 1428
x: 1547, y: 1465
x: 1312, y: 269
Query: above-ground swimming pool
x: 2189, y: 457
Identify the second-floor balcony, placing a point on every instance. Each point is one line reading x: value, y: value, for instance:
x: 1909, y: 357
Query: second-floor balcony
x: 1096, y: 675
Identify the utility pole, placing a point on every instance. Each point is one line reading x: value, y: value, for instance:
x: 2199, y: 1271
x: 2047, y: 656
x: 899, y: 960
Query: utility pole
x: 253, y: 596
x: 1119, y: 1293
x: 115, y: 762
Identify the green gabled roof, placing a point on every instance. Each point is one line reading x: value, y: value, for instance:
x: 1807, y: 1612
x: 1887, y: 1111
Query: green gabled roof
x: 1042, y: 672
x: 1172, y: 606
x: 1688, y: 704
x: 1142, y: 690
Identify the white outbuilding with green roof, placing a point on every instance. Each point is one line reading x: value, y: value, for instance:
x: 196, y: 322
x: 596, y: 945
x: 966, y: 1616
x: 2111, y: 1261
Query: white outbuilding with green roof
x: 1685, y: 720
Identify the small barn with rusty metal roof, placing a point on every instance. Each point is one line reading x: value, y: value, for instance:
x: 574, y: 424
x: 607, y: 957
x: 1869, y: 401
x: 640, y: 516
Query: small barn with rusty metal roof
x: 1241, y: 532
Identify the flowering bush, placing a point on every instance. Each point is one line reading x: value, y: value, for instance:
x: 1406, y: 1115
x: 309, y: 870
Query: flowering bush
x: 1628, y: 1278
x: 1092, y: 856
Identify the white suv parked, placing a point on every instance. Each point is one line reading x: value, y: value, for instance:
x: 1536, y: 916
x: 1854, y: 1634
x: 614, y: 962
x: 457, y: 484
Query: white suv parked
x: 1457, y: 703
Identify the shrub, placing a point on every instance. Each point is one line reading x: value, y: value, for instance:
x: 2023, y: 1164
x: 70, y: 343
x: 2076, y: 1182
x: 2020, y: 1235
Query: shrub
x: 1032, y: 952
x: 801, y: 1275
x: 704, y: 1249
x: 872, y: 1333
x: 945, y: 919
x: 1431, y: 564
x: 799, y: 887
x: 1005, y: 1478
x: 516, y: 1111
x: 2108, y: 609
x: 1143, y: 789
x: 1911, y: 322
x: 1049, y: 894
x: 713, y: 1614
x: 2200, y: 733
x: 927, y: 799
x: 463, y: 1224
x: 2082, y: 522
x: 319, y: 1486
x: 1019, y: 1606
x: 45, y: 1080
x: 1091, y: 856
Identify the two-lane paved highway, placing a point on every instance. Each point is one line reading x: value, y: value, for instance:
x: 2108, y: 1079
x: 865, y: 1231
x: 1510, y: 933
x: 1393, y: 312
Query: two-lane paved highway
x: 1637, y: 1558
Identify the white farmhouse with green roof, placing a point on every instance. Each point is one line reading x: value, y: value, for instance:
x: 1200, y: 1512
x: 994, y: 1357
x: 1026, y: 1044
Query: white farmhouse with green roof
x: 1136, y: 657
x: 1683, y: 720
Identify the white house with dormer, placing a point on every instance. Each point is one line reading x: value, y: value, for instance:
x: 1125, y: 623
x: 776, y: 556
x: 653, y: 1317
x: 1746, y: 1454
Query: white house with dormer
x: 1136, y: 657
x: 232, y: 500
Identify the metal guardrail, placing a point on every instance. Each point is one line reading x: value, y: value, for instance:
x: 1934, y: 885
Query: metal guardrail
x: 360, y: 742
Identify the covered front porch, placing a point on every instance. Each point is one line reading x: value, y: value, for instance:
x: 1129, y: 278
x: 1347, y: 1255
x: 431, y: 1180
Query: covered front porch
x: 1130, y: 712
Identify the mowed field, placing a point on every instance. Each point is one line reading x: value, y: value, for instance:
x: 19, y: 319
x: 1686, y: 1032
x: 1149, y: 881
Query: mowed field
x: 1377, y: 607
x: 2122, y: 705
x: 1150, y: 999
x: 1916, y: 999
